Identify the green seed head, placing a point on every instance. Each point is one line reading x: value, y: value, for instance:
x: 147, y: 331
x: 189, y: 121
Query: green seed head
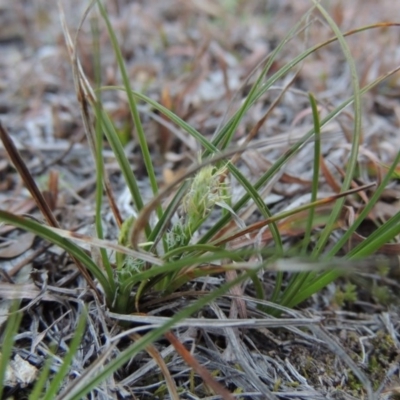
x: 205, y: 191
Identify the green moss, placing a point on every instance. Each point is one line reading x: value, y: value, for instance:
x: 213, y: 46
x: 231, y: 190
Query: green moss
x: 348, y: 295
x: 382, y: 294
x: 294, y: 384
x: 381, y: 353
x: 161, y: 392
x: 277, y: 384
x: 354, y: 384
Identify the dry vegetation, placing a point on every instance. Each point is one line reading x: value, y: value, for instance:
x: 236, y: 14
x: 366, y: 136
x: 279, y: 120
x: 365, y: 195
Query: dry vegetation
x: 195, y: 57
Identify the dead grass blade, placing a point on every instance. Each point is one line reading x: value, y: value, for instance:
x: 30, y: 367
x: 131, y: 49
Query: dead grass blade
x: 150, y: 321
x: 27, y: 178
x: 240, y: 353
x: 11, y: 291
x: 106, y: 244
x: 30, y: 183
x: 262, y: 120
x: 154, y: 353
x: 330, y: 179
x: 258, y: 225
x: 86, y: 97
x: 201, y: 371
x: 78, y: 383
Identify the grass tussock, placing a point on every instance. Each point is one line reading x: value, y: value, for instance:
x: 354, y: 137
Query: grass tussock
x: 228, y: 249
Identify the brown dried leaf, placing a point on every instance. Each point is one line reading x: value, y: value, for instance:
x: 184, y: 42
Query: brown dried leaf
x: 331, y: 181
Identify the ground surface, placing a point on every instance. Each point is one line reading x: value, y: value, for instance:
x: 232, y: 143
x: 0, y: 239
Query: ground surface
x: 192, y: 56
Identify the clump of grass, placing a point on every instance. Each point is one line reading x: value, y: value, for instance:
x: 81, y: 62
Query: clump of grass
x: 175, y: 249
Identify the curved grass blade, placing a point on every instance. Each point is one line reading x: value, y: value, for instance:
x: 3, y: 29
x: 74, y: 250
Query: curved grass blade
x: 149, y: 338
x: 72, y: 249
x: 295, y: 61
x: 315, y: 179
x: 197, y: 249
x: 132, y: 105
x: 351, y: 168
x: 279, y: 74
x: 193, y: 260
x: 98, y: 143
x: 129, y: 176
x: 67, y: 359
x: 319, y: 281
x: 37, y: 390
x: 9, y: 333
x: 289, y: 154
x: 366, y: 210
x: 384, y: 234
x: 224, y: 137
x: 298, y: 280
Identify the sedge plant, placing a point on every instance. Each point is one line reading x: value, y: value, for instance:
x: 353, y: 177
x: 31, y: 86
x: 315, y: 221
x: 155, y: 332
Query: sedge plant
x: 165, y: 246
x: 175, y: 233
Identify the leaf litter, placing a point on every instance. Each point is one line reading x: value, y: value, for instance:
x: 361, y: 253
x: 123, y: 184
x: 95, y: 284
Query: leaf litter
x: 193, y: 57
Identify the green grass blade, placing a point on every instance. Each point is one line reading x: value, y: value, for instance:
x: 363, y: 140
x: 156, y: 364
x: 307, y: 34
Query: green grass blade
x: 321, y: 280
x: 298, y: 280
x: 67, y: 359
x: 309, y: 289
x: 37, y: 390
x: 190, y: 249
x: 277, y: 286
x: 364, y: 213
x: 350, y: 170
x: 214, y: 150
x: 150, y: 337
x: 163, y: 223
x: 129, y: 176
x: 193, y: 260
x: 173, y: 117
x: 262, y: 207
x: 132, y: 105
x: 252, y: 192
x: 383, y: 235
x: 71, y: 248
x: 224, y: 137
x: 7, y: 345
x: 99, y: 155
x: 315, y: 178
